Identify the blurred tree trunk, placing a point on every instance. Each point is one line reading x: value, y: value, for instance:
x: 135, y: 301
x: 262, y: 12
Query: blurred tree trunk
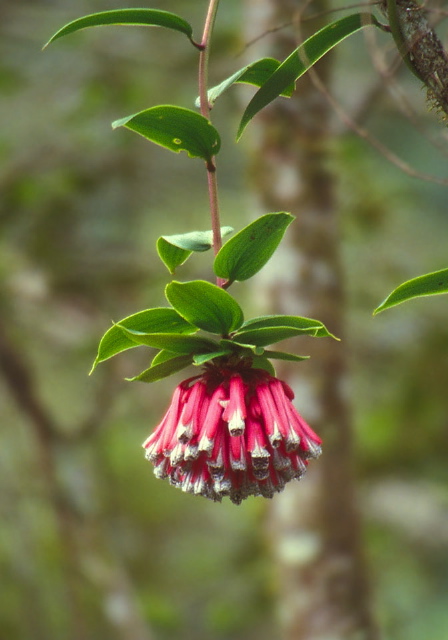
x: 84, y: 548
x: 315, y: 528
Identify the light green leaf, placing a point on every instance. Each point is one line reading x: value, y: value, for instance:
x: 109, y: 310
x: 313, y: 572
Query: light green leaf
x: 175, y: 342
x: 163, y: 356
x: 133, y: 17
x: 429, y: 284
x: 196, y: 240
x: 256, y: 73
x: 202, y: 358
x: 176, y: 249
x: 247, y: 252
x: 163, y: 369
x: 176, y: 129
x: 151, y: 320
x: 171, y: 256
x: 205, y: 305
x: 302, y: 59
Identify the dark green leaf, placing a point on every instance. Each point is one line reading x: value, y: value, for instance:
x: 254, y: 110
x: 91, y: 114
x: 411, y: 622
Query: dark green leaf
x: 205, y: 305
x: 163, y: 369
x: 260, y: 362
x: 256, y: 73
x: 151, y: 320
x: 171, y: 256
x: 133, y: 17
x: 429, y: 284
x: 247, y: 252
x: 176, y: 129
x: 175, y: 342
x: 283, y: 355
x: 302, y: 59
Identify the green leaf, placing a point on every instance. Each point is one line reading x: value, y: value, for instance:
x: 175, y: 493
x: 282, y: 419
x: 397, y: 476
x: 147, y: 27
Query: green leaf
x: 429, y: 284
x: 175, y: 342
x: 268, y: 335
x: 242, y: 348
x: 171, y: 256
x: 260, y: 362
x: 176, y: 249
x: 205, y: 305
x: 133, y: 17
x: 202, y: 358
x: 283, y: 355
x: 259, y: 72
x: 247, y: 252
x: 163, y: 369
x: 265, y: 330
x: 151, y: 320
x: 256, y: 73
x: 176, y: 129
x: 302, y: 59
x: 163, y: 356
x: 309, y: 326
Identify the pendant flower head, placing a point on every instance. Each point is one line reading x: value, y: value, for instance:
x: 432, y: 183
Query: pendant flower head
x: 232, y: 431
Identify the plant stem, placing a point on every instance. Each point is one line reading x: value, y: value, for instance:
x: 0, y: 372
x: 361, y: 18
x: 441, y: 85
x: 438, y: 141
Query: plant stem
x: 205, y: 111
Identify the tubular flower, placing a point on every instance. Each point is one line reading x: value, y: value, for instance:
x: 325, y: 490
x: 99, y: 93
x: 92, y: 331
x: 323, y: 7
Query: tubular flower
x: 232, y: 431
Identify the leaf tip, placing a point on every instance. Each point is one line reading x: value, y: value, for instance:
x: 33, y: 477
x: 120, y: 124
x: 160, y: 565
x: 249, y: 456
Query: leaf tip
x: 94, y: 366
x: 52, y: 39
x: 378, y: 310
x: 121, y: 122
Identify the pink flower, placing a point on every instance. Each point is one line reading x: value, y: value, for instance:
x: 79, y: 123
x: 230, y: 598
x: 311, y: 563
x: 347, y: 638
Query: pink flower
x: 232, y: 431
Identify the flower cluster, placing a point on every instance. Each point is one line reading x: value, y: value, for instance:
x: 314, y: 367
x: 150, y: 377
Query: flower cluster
x: 232, y: 431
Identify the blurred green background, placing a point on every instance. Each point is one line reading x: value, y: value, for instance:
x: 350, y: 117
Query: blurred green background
x: 91, y: 544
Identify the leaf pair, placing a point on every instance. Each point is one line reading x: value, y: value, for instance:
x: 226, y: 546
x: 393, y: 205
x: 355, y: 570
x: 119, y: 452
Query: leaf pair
x: 239, y: 258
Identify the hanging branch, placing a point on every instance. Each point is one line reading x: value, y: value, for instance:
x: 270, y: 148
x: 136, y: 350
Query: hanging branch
x: 420, y: 48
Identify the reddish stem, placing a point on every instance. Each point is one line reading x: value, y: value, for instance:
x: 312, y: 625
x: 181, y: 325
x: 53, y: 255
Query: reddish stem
x: 205, y: 111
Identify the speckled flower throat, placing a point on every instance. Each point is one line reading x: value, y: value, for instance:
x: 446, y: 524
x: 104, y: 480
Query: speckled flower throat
x: 232, y: 431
